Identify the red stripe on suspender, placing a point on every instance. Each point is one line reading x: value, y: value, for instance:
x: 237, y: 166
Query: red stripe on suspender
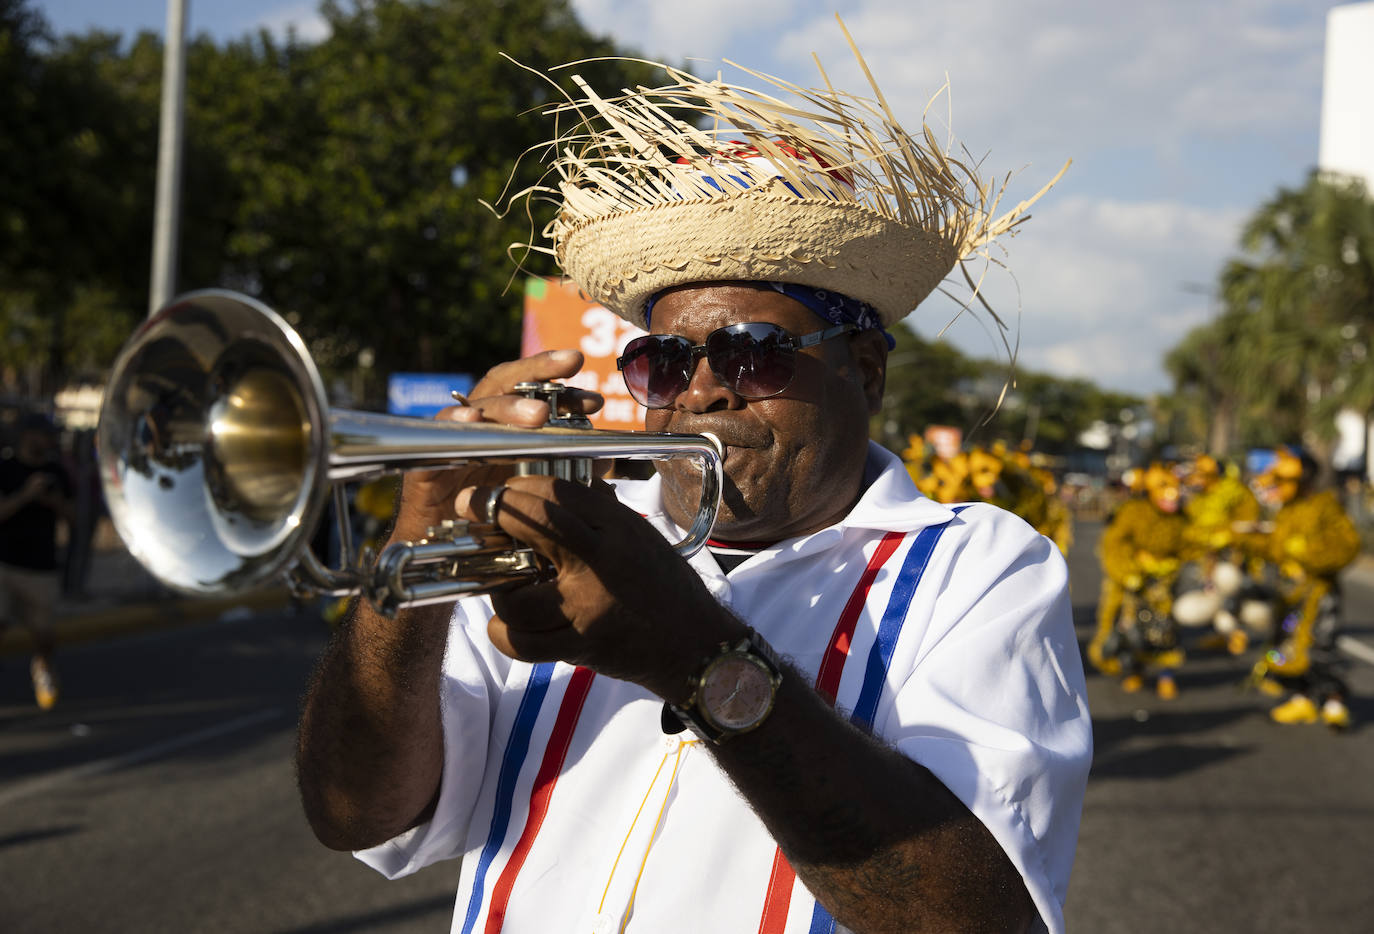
x: 837, y: 653
x: 554, y: 754
x: 779, y: 898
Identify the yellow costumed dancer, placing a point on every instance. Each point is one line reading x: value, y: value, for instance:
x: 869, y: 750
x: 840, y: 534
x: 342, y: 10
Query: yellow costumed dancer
x: 1223, y: 531
x: 947, y: 479
x: 1312, y: 540
x: 1007, y: 479
x: 1142, y: 550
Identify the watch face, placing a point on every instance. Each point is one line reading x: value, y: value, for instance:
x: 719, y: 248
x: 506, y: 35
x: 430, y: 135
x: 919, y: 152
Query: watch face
x: 736, y: 693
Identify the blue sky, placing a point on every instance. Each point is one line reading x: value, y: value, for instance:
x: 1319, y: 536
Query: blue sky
x: 1181, y: 116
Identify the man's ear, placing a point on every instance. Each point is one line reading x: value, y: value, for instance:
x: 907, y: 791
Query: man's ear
x: 870, y: 356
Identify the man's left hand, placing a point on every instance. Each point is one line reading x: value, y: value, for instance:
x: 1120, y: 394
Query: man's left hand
x: 621, y: 601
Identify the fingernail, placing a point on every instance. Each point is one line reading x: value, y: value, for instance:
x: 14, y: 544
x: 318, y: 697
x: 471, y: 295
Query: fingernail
x: 461, y: 501
x: 563, y: 356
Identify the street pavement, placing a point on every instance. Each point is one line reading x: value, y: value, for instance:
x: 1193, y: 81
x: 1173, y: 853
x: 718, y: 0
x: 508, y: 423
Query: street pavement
x: 1203, y: 815
x: 159, y: 795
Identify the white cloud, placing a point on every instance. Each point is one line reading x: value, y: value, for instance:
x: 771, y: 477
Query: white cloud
x: 671, y: 32
x: 1124, y: 69
x: 1181, y: 117
x: 303, y: 17
x: 1106, y: 288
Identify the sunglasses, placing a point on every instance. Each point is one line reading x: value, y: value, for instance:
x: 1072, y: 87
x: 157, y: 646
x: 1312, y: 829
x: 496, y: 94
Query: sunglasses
x: 755, y: 360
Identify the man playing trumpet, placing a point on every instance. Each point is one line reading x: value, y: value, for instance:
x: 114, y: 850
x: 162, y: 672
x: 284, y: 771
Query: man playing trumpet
x: 858, y: 709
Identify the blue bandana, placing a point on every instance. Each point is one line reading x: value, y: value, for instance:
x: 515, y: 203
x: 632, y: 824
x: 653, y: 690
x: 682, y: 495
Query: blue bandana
x: 829, y: 306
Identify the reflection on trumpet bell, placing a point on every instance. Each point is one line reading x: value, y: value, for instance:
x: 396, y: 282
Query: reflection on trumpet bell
x: 258, y: 439
x: 218, y: 454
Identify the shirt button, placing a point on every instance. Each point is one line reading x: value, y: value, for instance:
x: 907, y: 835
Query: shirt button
x: 670, y: 743
x: 606, y: 924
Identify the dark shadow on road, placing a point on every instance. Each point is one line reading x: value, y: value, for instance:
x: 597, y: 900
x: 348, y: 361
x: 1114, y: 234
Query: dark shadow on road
x: 33, y: 836
x: 1162, y: 761
x: 1361, y: 714
x: 440, y: 907
x: 140, y: 693
x: 1107, y: 731
x: 1196, y: 676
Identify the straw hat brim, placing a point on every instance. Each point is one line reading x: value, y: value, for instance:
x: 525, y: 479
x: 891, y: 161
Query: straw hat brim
x: 764, y: 234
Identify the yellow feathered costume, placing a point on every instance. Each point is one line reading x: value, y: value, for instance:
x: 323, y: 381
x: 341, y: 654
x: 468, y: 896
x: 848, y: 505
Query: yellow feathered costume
x: 1141, y: 552
x: 1312, y: 541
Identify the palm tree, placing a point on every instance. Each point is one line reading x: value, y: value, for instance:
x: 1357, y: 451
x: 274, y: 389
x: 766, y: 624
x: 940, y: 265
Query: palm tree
x: 1292, y: 346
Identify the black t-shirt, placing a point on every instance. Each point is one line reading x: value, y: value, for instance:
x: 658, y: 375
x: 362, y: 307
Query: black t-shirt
x: 28, y: 539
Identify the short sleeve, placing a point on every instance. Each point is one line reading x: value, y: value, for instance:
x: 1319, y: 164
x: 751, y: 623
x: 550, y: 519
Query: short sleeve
x: 993, y: 703
x: 469, y: 689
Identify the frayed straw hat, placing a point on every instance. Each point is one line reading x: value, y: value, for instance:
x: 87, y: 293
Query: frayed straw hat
x: 700, y: 181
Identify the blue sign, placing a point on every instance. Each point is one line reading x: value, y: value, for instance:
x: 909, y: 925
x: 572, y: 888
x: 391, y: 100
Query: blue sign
x: 423, y: 394
x: 1258, y: 460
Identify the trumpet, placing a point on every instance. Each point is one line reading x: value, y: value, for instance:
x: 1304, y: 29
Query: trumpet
x: 219, y: 455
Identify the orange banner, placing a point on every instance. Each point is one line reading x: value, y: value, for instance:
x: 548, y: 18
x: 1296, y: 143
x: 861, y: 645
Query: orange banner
x: 559, y: 317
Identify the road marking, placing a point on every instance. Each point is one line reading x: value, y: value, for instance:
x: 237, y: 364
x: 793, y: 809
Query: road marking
x: 1352, y: 646
x: 51, y: 780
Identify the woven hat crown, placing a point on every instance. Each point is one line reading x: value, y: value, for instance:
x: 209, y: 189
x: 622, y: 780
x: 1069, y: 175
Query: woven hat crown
x: 700, y: 181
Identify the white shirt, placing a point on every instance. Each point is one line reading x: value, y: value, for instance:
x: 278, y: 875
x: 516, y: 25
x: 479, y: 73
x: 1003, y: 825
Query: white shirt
x: 572, y: 810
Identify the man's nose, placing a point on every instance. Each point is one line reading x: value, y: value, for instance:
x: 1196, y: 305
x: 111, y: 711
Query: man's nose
x: 705, y: 392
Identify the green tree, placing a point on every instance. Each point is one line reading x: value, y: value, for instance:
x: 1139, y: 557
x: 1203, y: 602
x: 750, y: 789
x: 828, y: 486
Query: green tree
x: 933, y: 383
x: 1291, y: 346
x: 341, y: 182
x: 363, y: 162
x: 75, y: 159
x: 923, y: 388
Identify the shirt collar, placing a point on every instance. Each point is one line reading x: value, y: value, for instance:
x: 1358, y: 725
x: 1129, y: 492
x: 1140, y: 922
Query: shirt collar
x: 890, y: 503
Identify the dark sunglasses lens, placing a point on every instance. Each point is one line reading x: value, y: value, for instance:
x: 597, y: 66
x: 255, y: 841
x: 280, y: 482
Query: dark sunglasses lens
x: 756, y: 360
x: 656, y: 369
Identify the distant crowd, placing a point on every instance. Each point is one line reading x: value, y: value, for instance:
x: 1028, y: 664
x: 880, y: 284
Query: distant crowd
x: 1196, y: 556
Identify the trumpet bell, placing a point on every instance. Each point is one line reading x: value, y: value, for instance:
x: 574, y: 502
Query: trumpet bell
x: 209, y: 453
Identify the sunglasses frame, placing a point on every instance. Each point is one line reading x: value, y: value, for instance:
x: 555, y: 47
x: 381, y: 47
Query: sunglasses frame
x: 697, y: 351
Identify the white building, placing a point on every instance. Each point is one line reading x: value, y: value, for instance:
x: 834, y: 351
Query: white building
x: 1347, y: 127
x: 1347, y: 147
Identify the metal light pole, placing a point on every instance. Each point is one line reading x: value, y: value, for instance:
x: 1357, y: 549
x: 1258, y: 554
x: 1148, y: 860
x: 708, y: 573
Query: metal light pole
x: 167, y: 209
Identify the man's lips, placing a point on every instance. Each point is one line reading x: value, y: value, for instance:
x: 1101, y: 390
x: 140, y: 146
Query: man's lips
x: 731, y: 434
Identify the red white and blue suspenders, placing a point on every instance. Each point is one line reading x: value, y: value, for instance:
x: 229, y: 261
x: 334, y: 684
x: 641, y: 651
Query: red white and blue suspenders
x: 837, y: 654
x: 779, y: 897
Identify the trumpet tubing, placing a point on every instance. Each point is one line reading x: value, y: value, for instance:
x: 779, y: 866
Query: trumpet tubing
x: 218, y: 455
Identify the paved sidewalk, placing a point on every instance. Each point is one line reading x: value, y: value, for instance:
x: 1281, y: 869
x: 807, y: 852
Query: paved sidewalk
x: 121, y: 597
x: 1362, y: 567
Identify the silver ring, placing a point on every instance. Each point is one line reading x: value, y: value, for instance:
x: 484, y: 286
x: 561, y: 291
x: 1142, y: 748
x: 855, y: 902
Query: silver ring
x: 492, y: 503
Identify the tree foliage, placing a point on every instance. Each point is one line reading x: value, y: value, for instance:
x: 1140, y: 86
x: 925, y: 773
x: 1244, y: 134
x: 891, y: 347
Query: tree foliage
x: 1291, y: 345
x: 933, y: 383
x: 341, y: 182
x: 75, y: 205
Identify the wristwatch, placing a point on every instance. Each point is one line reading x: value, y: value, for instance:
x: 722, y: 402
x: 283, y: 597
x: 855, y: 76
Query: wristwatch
x: 733, y: 691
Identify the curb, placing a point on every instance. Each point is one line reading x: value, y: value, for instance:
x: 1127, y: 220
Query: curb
x: 119, y: 619
x: 1362, y: 567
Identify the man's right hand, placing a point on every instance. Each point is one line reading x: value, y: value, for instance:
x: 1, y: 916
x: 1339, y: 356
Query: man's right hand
x: 427, y: 495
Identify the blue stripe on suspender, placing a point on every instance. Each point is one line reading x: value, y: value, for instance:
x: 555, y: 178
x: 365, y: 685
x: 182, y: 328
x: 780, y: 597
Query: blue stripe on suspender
x: 880, y: 655
x: 821, y: 922
x: 516, y: 750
